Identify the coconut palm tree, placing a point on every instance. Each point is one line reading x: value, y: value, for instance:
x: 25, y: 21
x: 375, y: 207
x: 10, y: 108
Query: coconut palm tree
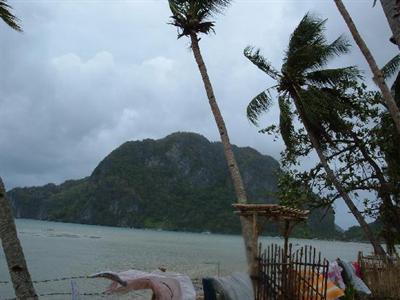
x: 378, y: 74
x: 391, y: 8
x: 8, y: 17
x: 305, y: 85
x: 192, y: 17
x: 14, y: 254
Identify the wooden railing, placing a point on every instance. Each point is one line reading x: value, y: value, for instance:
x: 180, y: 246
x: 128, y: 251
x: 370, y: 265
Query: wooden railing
x: 299, y: 274
x: 381, y: 274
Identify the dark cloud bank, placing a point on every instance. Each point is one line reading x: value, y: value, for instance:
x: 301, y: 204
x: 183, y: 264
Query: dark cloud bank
x: 85, y: 76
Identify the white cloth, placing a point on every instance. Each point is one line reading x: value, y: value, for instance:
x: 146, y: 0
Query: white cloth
x: 356, y: 281
x: 335, y: 274
x: 125, y: 281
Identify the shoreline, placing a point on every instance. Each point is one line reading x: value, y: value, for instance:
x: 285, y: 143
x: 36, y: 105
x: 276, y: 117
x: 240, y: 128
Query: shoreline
x: 196, y: 232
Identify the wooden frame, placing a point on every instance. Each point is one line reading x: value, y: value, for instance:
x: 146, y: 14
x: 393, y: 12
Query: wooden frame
x: 259, y: 215
x: 291, y: 275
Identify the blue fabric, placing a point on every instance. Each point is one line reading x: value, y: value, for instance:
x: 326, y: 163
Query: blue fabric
x: 350, y: 277
x: 237, y: 286
x: 208, y: 289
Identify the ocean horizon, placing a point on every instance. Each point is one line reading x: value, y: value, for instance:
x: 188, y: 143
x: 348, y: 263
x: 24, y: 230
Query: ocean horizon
x: 54, y: 250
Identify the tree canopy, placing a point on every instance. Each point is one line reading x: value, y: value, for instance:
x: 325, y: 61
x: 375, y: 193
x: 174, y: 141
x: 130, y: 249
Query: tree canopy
x: 193, y: 16
x: 8, y: 17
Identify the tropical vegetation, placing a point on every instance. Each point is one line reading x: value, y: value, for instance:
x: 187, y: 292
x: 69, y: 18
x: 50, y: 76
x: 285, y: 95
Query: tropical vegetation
x: 321, y: 99
x: 379, y: 78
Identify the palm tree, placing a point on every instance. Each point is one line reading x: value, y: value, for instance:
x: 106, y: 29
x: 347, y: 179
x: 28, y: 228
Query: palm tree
x: 378, y: 74
x: 304, y: 83
x: 8, y: 17
x: 391, y: 9
x: 192, y: 17
x: 14, y: 254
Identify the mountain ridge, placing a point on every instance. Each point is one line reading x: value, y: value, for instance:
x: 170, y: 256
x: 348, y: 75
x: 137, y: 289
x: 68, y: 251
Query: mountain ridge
x: 180, y: 182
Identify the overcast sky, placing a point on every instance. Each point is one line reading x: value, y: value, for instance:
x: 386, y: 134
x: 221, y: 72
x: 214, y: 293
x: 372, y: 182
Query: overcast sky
x: 86, y: 76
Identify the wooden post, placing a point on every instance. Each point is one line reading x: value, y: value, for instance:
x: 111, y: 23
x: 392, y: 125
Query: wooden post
x: 286, y: 230
x: 254, y: 265
x: 256, y: 215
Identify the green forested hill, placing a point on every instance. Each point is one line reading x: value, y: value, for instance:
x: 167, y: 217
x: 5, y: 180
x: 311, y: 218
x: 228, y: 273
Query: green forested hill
x: 180, y: 182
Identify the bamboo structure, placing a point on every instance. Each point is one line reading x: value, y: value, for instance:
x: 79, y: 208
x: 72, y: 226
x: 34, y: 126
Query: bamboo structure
x: 291, y: 275
x: 258, y: 215
x: 381, y: 274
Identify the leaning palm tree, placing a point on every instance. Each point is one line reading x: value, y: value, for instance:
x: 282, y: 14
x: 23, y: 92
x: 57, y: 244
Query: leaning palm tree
x: 14, y: 254
x: 391, y: 8
x: 192, y: 17
x: 7, y: 16
x: 378, y: 74
x: 304, y: 83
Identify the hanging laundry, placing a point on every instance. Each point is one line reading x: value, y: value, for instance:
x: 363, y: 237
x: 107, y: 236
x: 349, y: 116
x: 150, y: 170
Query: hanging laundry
x: 335, y: 274
x: 165, y: 285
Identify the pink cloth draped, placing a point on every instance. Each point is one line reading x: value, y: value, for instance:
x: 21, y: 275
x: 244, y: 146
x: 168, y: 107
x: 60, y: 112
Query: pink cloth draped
x: 165, y: 285
x: 335, y: 274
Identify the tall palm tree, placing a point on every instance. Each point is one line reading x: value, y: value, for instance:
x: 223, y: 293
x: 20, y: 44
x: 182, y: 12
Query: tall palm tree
x: 378, y: 74
x: 304, y: 83
x: 192, y: 17
x: 14, y: 254
x: 8, y: 17
x: 391, y: 8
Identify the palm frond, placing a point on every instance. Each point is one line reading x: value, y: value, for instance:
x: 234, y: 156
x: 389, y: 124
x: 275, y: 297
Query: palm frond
x: 8, y: 17
x: 315, y: 109
x: 191, y: 16
x: 339, y: 46
x: 214, y: 6
x: 262, y: 63
x: 323, y: 53
x: 258, y: 105
x: 308, y: 32
x: 392, y: 67
x: 331, y: 77
x: 308, y: 48
x: 325, y: 108
x: 286, y: 122
x: 316, y: 56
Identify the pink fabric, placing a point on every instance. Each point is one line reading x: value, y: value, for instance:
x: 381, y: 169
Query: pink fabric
x: 165, y: 286
x: 335, y: 274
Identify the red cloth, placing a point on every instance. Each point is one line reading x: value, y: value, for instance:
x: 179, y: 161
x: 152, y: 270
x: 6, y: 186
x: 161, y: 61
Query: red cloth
x: 357, y: 269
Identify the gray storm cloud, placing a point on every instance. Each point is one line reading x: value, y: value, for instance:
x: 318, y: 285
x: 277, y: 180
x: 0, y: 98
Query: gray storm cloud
x: 85, y: 76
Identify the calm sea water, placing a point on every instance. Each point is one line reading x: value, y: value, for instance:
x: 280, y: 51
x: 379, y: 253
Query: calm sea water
x: 55, y: 250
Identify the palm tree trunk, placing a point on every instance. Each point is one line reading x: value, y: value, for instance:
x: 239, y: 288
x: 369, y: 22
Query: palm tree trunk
x: 332, y: 177
x: 378, y: 75
x: 384, y: 193
x: 247, y: 230
x: 391, y: 9
x: 388, y: 211
x: 17, y: 267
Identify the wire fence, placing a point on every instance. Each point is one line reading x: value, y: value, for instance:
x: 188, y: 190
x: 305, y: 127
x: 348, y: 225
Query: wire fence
x: 61, y: 279
x: 66, y: 294
x: 196, y: 280
x: 51, y: 280
x: 139, y: 294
